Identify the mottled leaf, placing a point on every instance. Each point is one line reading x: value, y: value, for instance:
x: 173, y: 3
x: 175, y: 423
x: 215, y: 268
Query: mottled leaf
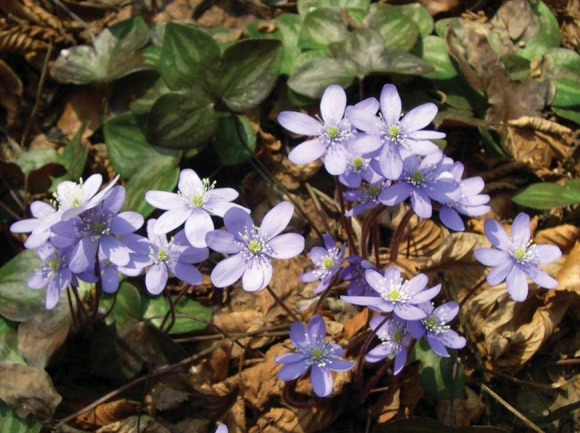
x: 396, y: 28
x: 321, y: 27
x: 228, y: 145
x: 186, y: 310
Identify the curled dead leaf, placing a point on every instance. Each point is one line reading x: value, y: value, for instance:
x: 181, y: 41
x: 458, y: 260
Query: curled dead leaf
x: 134, y: 424
x: 465, y: 410
x: 107, y: 413
x: 10, y: 93
x: 569, y: 275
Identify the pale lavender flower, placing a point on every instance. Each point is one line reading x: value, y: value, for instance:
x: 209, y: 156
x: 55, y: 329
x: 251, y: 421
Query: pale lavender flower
x: 328, y: 260
x: 251, y: 248
x: 516, y: 257
x: 40, y: 211
x: 396, y: 295
x: 164, y: 258
x: 333, y: 132
x: 314, y: 353
x: 436, y: 329
x: 355, y: 273
x: 391, y: 134
x: 366, y: 197
x: 53, y: 274
x: 96, y: 230
x: 222, y: 428
x: 471, y: 202
x: 357, y: 169
x: 195, y: 202
x: 395, y: 341
x: 423, y: 179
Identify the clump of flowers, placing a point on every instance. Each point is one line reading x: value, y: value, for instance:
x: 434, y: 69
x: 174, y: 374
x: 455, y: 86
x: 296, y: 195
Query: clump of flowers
x: 516, y: 257
x: 314, y: 353
x: 328, y: 261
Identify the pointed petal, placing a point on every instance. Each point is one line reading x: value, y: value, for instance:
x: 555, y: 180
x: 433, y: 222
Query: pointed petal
x: 299, y: 123
x: 390, y: 103
x: 540, y: 277
x: 419, y: 117
x: 333, y: 104
x: 316, y: 329
x: 400, y: 361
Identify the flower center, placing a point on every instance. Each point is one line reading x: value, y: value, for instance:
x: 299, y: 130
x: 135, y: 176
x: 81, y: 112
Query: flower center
x: 357, y: 162
x: 97, y: 228
x: 394, y: 295
x: 328, y: 262
x: 162, y: 255
x: 332, y: 131
x: 316, y: 354
x: 397, y: 336
x: 54, y: 264
x: 520, y: 254
x: 417, y: 178
x: 394, y: 132
x: 197, y: 200
x: 254, y: 246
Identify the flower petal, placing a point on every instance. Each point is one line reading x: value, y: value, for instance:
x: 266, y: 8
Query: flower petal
x: 197, y: 226
x: 491, y: 256
x: 276, y: 220
x: 337, y: 364
x: 307, y: 151
x: 222, y: 242
x: 540, y: 277
x: 517, y: 284
x: 500, y: 272
x: 292, y: 371
x: 335, y: 160
x: 171, y: 220
x: 189, y: 183
x: 237, y: 221
x: 316, y: 329
x: 395, y: 194
x: 333, y: 104
x: 364, y: 144
x: 390, y: 103
x: 321, y: 380
x: 164, y: 200
x: 390, y: 161
x: 156, y: 278
x: 291, y: 358
x: 437, y: 346
x: 126, y: 222
x: 419, y: 117
x: 545, y: 254
x: 420, y: 147
x: 496, y: 234
x: 421, y: 203
x: 451, y: 219
x: 83, y: 254
x: 257, y: 276
x: 286, y: 246
x: 521, y: 229
x: 299, y: 123
x: 298, y: 334
x: 115, y: 250
x: 228, y: 271
x: 400, y: 361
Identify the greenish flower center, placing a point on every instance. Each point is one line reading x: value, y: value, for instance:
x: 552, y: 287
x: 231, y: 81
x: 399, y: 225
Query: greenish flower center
x: 357, y: 162
x: 316, y: 354
x: 417, y: 177
x: 75, y: 202
x: 54, y: 264
x: 97, y: 228
x: 394, y: 132
x: 430, y: 322
x: 254, y: 247
x: 328, y: 262
x: 332, y: 131
x: 162, y: 255
x: 197, y: 200
x: 520, y: 254
x: 394, y: 295
x: 397, y: 336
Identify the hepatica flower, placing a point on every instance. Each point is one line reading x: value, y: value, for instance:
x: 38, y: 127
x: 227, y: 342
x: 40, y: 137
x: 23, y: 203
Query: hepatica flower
x: 516, y: 257
x: 40, y: 211
x: 166, y: 258
x: 366, y: 197
x: 328, y: 260
x: 396, y: 295
x: 332, y: 132
x: 392, y: 133
x: 195, y: 202
x: 436, y: 329
x: 423, y: 179
x: 251, y: 248
x: 314, y: 353
x: 355, y: 273
x: 395, y: 341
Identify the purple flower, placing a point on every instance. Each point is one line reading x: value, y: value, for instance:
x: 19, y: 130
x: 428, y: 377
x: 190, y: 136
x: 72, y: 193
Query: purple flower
x: 193, y: 205
x: 165, y: 258
x: 109, y: 272
x: 395, y: 341
x: 53, y: 274
x: 251, y: 248
x: 435, y: 327
x: 315, y: 353
x: 471, y: 202
x: 366, y: 197
x: 423, y: 179
x: 357, y: 169
x: 328, y: 261
x: 40, y: 211
x: 333, y: 132
x: 222, y: 428
x: 516, y: 257
x: 355, y: 273
x: 395, y: 295
x: 96, y: 230
x: 393, y: 133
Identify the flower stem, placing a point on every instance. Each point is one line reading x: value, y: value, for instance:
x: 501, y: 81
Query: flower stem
x: 283, y: 305
x: 290, y: 395
x: 171, y: 311
x: 366, y: 229
x: 324, y: 295
x: 346, y: 223
x: 398, y: 235
x: 367, y: 343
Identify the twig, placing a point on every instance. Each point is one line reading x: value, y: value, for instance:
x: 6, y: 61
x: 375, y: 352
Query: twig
x: 317, y: 206
x: 282, y: 304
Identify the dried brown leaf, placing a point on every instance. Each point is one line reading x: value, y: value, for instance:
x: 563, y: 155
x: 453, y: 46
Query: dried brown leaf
x: 356, y: 324
x: 83, y: 107
x: 134, y: 424
x: 391, y: 407
x: 168, y: 392
x: 295, y: 420
x: 29, y: 391
x: 563, y: 236
x: 10, y: 93
x: 569, y: 275
x: 465, y: 410
x: 107, y: 413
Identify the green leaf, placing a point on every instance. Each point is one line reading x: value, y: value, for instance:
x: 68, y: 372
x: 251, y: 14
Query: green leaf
x: 567, y: 92
x: 116, y: 53
x: 35, y: 159
x: 434, y: 51
x: 181, y: 121
x: 187, y: 57
x: 154, y: 174
x: 17, y: 301
x: 420, y: 15
x: 312, y: 78
x: 437, y: 373
x: 127, y: 147
x: 442, y: 25
x: 143, y: 105
x: 517, y: 67
x: 307, y: 6
x: 547, y: 195
x: 321, y: 27
x: 364, y: 48
x: 154, y: 309
x: 548, y: 35
x: 9, y: 344
x: 11, y: 423
x: 396, y: 28
x: 289, y: 26
x: 573, y: 115
x: 126, y: 306
x: 152, y: 56
x: 73, y: 158
x: 228, y: 146
x: 248, y: 72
